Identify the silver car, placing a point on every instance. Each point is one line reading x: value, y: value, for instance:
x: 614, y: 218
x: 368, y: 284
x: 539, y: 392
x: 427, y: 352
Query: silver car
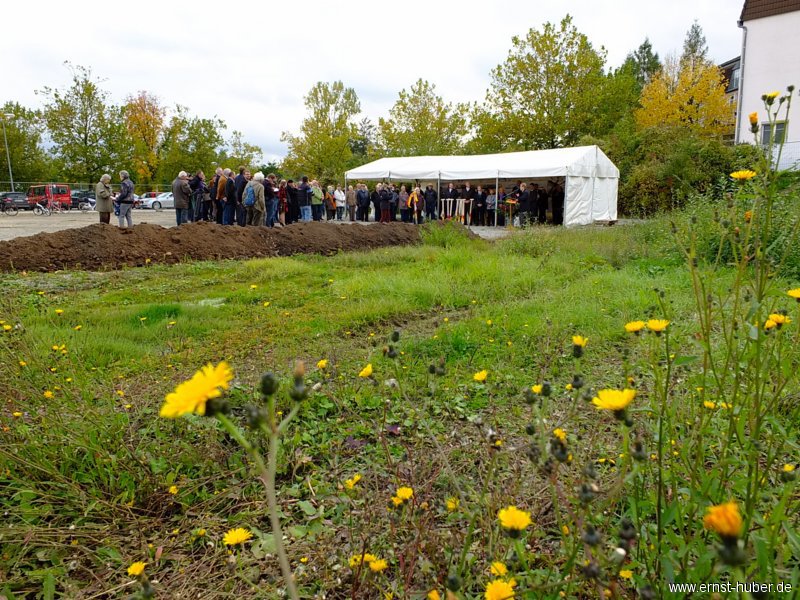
x: 165, y: 200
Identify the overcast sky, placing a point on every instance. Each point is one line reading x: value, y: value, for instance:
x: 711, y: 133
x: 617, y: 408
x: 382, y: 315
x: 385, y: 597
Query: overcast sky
x: 252, y: 66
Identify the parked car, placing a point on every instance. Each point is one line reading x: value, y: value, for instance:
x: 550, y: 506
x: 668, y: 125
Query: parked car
x: 80, y: 197
x: 17, y: 199
x: 50, y: 194
x: 165, y: 200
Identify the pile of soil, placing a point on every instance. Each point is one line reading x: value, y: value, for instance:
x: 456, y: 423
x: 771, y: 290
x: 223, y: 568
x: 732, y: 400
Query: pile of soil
x: 102, y: 246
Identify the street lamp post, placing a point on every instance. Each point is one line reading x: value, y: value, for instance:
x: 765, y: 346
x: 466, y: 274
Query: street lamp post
x: 6, y: 117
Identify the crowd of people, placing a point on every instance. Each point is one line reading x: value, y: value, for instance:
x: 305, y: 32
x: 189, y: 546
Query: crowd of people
x: 255, y: 199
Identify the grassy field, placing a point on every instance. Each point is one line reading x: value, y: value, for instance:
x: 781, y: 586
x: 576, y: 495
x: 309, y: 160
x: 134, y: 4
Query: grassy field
x: 93, y: 480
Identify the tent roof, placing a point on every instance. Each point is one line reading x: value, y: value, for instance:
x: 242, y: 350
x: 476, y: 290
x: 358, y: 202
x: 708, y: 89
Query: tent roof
x: 583, y: 161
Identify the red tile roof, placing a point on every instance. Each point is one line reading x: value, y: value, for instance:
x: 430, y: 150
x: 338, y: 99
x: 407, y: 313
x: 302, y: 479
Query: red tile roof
x: 756, y: 9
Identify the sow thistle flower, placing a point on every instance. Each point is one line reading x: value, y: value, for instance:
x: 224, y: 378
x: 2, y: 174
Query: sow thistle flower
x: 136, y: 568
x: 634, y: 327
x: 743, y: 175
x: 657, y: 326
x: 191, y: 396
x: 499, y: 589
x: 376, y: 566
x: 237, y: 536
x: 616, y: 401
x: 726, y: 521
x: 578, y: 344
x: 514, y: 520
x: 779, y: 319
x: 357, y: 559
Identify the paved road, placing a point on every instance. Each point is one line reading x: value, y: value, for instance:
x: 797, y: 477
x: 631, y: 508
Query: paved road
x: 26, y: 223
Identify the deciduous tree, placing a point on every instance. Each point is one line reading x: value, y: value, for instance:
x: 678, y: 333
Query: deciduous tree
x: 144, y: 123
x: 29, y: 160
x: 421, y: 123
x: 687, y: 94
x: 242, y: 153
x: 189, y: 143
x: 87, y: 130
x: 545, y: 93
x: 322, y: 149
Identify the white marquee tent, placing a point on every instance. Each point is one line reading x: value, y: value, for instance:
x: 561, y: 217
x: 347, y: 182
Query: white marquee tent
x: 591, y: 179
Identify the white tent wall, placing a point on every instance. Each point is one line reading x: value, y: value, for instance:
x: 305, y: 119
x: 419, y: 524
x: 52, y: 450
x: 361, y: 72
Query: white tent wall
x: 591, y: 178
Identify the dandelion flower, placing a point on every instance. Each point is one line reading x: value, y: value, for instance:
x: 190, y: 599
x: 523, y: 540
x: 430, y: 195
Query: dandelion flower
x: 22, y: 363
x: 657, y: 325
x: 634, y: 326
x: 357, y: 559
x: 480, y: 376
x: 351, y: 483
x: 779, y: 319
x: 724, y: 519
x: 560, y: 435
x: 234, y: 537
x: 253, y: 286
x: 16, y: 414
x: 514, y: 519
x: 537, y: 389
x: 434, y: 594
x: 48, y: 394
x: 376, y: 566
x: 405, y: 493
x: 191, y: 396
x: 366, y: 371
x: 303, y: 559
x: 173, y: 489
x: 322, y: 364
x: 795, y: 293
x: 498, y: 569
x: 579, y: 340
x: 709, y: 404
x: 743, y: 175
x: 7, y: 327
x: 397, y: 501
x: 787, y: 468
x: 59, y: 312
x: 499, y: 589
x: 452, y: 504
x: 614, y: 399
x: 626, y: 574
x: 753, y: 118
x: 136, y: 568
x: 770, y: 324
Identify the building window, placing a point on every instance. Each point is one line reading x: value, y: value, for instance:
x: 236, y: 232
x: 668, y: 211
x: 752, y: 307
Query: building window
x: 733, y: 80
x: 780, y: 132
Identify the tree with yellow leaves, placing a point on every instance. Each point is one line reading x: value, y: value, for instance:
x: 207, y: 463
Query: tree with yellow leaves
x: 687, y: 94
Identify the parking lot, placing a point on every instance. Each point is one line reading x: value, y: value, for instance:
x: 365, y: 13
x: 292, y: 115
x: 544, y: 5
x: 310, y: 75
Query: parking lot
x: 26, y: 223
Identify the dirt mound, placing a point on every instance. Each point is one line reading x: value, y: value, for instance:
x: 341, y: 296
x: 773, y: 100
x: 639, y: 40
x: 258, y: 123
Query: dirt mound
x: 101, y: 246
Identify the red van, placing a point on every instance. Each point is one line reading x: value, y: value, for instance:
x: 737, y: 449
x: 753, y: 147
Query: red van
x: 50, y: 195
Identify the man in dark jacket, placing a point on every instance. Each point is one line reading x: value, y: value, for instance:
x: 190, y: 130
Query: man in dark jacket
x: 229, y: 211
x: 558, y: 204
x: 304, y: 200
x: 240, y: 182
x: 293, y: 212
x: 199, y: 188
x: 362, y: 203
x: 450, y: 197
x: 524, y: 205
x: 125, y: 199
x: 430, y: 203
x: 182, y: 194
x: 539, y: 201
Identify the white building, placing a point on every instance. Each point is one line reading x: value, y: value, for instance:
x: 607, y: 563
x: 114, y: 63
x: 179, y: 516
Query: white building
x: 770, y: 62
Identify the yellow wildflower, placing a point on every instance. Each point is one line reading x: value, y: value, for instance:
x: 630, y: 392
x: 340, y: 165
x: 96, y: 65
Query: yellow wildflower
x: 376, y: 566
x: 173, y: 489
x: 498, y: 569
x: 59, y: 311
x: 234, y: 537
x: 724, y: 519
x: 787, y: 468
x: 561, y: 435
x: 614, y: 399
x: 769, y: 324
x: 753, y: 118
x: 405, y: 493
x: 351, y: 483
x: 657, y: 325
x: 397, y: 501
x: 743, y: 175
x: 303, y: 559
x: 579, y: 340
x: 136, y: 569
x: 366, y: 371
x: 322, y: 364
x: 253, y: 286
x: 748, y: 216
x: 452, y: 504
x: 22, y: 363
x: 779, y: 319
x: 537, y: 389
x: 16, y: 414
x: 772, y: 95
x: 433, y: 595
x: 514, y: 519
x: 7, y: 327
x: 48, y: 394
x: 795, y: 293
x: 709, y: 404
x: 499, y: 589
x: 191, y: 396
x: 480, y: 376
x: 357, y: 559
x: 626, y: 574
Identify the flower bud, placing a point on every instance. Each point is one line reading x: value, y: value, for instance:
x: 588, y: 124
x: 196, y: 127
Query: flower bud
x: 395, y: 337
x: 269, y: 384
x: 299, y: 391
x: 299, y: 369
x: 217, y: 406
x: 255, y: 416
x: 453, y: 583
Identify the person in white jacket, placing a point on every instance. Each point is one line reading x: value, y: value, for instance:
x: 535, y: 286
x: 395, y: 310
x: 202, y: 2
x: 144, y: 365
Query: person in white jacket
x: 341, y: 202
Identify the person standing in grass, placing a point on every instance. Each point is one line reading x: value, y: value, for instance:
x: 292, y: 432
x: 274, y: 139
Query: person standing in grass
x: 351, y: 202
x: 125, y: 199
x: 102, y: 194
x: 182, y: 193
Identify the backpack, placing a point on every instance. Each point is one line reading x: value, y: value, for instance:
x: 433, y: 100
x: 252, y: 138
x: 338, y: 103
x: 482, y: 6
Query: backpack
x: 249, y: 196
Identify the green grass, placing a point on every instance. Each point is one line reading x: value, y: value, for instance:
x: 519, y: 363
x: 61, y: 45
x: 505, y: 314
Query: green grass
x: 86, y: 474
